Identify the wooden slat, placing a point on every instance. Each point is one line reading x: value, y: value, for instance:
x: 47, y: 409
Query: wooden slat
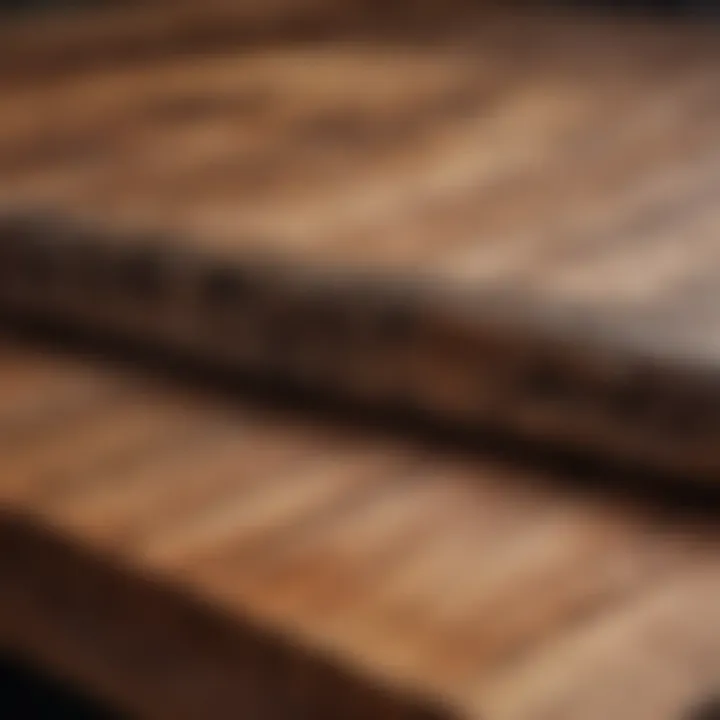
x: 161, y: 546
x: 491, y: 215
x: 527, y: 203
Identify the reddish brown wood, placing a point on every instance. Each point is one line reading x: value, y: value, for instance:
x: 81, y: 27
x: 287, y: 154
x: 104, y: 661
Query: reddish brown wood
x: 528, y: 204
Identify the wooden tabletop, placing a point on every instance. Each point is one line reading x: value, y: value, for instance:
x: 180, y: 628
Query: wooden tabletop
x: 189, y: 551
x: 565, y: 164
x: 183, y: 552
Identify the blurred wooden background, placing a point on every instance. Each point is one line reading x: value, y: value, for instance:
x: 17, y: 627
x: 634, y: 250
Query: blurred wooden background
x: 186, y: 548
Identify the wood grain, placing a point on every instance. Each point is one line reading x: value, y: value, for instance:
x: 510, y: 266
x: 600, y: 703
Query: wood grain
x: 493, y: 216
x: 182, y: 552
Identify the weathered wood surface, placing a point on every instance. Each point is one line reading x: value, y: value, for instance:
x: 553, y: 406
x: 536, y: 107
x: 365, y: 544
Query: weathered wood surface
x: 189, y: 554
x: 497, y: 216
x: 193, y: 555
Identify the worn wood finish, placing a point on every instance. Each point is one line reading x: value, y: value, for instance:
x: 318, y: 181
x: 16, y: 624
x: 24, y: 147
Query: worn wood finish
x: 487, y: 189
x: 491, y: 216
x: 187, y: 554
x: 41, y: 45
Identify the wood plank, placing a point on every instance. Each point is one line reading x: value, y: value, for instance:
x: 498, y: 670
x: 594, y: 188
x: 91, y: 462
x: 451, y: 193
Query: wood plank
x: 182, y: 552
x: 489, y: 215
x: 517, y: 198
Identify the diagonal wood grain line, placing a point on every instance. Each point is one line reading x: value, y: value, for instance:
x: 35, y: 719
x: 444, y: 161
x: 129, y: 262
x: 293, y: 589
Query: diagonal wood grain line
x: 435, y: 580
x: 448, y: 225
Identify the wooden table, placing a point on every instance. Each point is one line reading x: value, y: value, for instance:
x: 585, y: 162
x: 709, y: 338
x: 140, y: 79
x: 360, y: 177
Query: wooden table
x: 510, y: 216
x: 188, y: 549
x: 185, y: 553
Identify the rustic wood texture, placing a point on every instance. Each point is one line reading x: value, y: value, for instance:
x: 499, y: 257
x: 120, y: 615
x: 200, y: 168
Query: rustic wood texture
x: 494, y: 215
x: 186, y: 553
x: 527, y: 202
